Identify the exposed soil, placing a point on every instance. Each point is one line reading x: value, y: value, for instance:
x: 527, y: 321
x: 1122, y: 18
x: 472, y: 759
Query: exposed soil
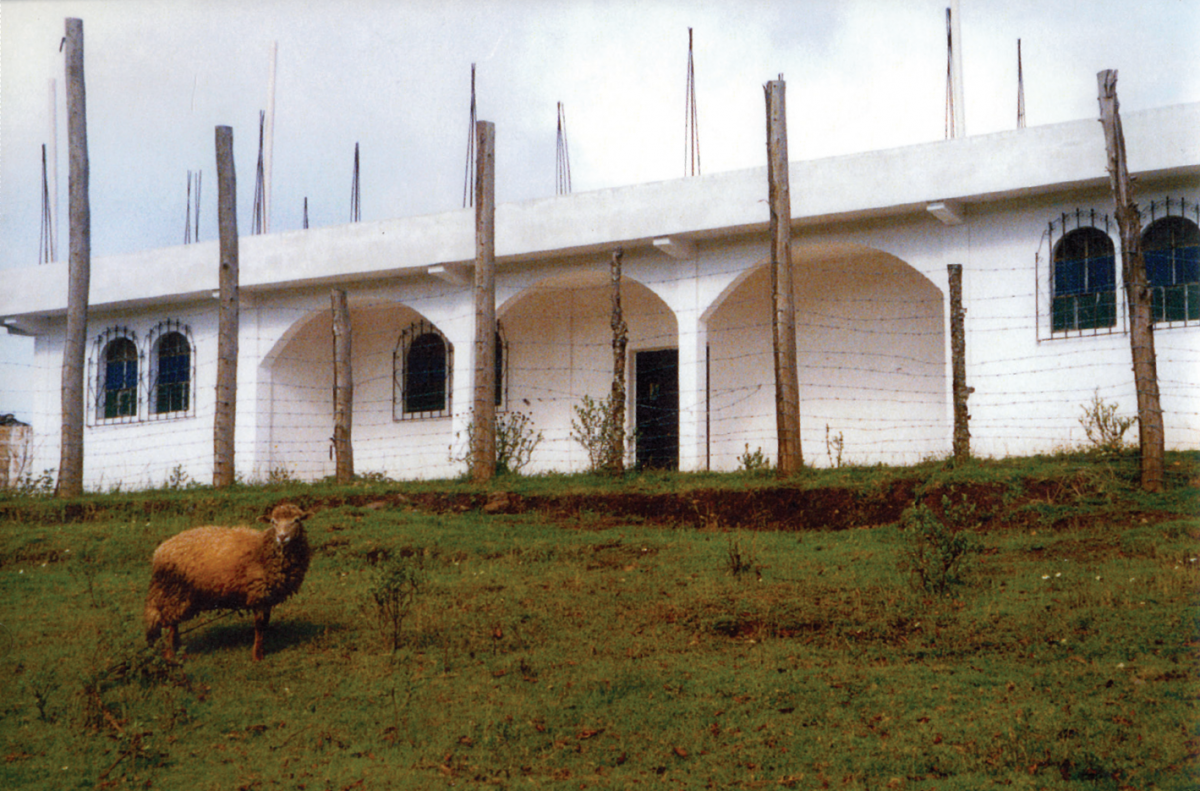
x: 1055, y: 503
x: 1045, y: 503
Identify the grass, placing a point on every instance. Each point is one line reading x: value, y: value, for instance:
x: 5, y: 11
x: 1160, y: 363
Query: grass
x: 554, y: 650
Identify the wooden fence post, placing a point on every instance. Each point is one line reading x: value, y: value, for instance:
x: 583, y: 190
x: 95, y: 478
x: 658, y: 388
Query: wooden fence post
x: 483, y: 438
x: 1137, y: 292
x: 70, y: 466
x: 783, y: 315
x: 958, y: 353
x: 227, y: 321
x: 620, y: 341
x: 343, y: 386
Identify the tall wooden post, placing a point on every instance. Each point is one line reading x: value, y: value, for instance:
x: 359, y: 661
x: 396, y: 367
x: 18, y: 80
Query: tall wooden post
x: 483, y: 439
x: 958, y: 354
x: 783, y: 316
x: 227, y: 321
x: 620, y: 341
x: 343, y: 387
x: 70, y: 467
x: 1137, y: 292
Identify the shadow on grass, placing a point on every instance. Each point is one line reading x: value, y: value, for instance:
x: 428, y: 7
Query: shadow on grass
x: 236, y: 633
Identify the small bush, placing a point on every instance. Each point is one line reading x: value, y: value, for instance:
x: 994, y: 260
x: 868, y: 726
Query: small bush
x: 595, y: 428
x: 515, y: 442
x: 935, y: 555
x: 740, y: 560
x: 754, y: 461
x: 1104, y: 428
x: 30, y: 485
x: 397, y: 584
x: 834, y: 444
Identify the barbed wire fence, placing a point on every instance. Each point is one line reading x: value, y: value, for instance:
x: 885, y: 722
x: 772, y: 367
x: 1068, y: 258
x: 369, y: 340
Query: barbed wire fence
x: 874, y: 381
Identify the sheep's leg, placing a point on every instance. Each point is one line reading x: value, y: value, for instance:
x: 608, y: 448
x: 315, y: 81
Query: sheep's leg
x: 172, y: 641
x: 262, y: 619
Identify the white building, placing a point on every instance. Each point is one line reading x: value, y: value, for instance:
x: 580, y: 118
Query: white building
x: 1027, y: 213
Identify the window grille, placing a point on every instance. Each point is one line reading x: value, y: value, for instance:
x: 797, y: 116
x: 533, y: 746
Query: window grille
x: 1084, y: 295
x: 172, y: 371
x: 115, y: 376
x: 422, y: 374
x: 1171, y: 248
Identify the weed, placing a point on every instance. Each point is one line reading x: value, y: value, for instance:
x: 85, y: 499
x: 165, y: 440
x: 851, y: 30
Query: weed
x: 278, y: 475
x: 398, y: 582
x: 741, y: 559
x: 935, y: 555
x: 834, y: 444
x: 516, y: 441
x: 42, y: 683
x: 595, y: 428
x: 178, y: 479
x: 754, y: 461
x: 85, y: 568
x: 30, y: 485
x: 1105, y: 429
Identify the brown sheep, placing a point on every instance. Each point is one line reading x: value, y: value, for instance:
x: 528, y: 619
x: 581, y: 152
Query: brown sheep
x: 236, y: 568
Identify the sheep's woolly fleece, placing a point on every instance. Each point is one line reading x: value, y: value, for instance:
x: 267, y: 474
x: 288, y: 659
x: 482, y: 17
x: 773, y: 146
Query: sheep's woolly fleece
x: 240, y: 568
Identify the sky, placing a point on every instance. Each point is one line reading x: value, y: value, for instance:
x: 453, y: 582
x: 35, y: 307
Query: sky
x: 394, y: 77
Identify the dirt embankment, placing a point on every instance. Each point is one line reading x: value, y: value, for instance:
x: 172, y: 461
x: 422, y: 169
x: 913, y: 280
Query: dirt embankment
x: 1050, y: 503
x: 1073, y: 501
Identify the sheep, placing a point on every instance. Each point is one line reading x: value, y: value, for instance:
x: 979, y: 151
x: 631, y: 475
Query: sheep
x: 237, y: 568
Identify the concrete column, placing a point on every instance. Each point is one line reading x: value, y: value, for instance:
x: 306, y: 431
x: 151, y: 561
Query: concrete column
x: 693, y: 391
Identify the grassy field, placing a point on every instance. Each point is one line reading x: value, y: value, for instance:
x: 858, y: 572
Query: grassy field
x: 570, y: 632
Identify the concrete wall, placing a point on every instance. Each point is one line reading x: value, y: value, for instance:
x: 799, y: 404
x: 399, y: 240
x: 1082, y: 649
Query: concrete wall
x: 872, y: 315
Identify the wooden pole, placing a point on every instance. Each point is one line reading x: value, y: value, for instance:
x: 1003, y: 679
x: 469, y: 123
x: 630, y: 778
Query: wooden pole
x: 958, y: 353
x: 783, y: 316
x: 483, y: 440
x: 620, y: 341
x: 1137, y: 292
x: 343, y: 387
x: 227, y: 322
x: 70, y: 468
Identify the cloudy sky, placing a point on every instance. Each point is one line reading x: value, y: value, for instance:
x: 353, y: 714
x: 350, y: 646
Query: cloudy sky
x: 394, y: 77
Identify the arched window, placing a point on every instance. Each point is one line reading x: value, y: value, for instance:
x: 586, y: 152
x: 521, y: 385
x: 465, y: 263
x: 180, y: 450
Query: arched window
x: 422, y: 368
x: 1171, y: 247
x: 118, y: 388
x: 171, y: 375
x: 1083, y: 289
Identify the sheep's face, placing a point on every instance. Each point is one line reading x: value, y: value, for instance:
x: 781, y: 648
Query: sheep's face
x: 287, y: 522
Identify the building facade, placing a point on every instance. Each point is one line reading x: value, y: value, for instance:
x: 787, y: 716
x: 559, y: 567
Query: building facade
x: 1028, y: 214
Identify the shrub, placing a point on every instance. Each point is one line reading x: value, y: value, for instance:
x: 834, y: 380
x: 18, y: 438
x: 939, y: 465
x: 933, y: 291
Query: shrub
x: 515, y: 442
x: 595, y: 428
x: 1104, y: 428
x: 754, y: 461
x: 398, y: 582
x: 935, y: 555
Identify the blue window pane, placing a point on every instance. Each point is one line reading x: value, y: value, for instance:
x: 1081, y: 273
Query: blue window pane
x: 1101, y: 274
x: 1159, y: 269
x: 1068, y: 277
x: 1187, y: 265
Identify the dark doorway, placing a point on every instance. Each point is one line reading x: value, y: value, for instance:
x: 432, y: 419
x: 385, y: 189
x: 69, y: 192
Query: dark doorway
x: 657, y: 409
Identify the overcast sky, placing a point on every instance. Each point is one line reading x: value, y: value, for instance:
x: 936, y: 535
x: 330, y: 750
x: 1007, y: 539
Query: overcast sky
x: 395, y: 78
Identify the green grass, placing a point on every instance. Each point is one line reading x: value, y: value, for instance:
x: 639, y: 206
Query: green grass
x: 546, y: 650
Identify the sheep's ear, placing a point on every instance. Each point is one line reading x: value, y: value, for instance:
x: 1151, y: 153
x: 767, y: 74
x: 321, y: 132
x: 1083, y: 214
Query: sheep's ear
x: 306, y: 515
x: 266, y: 519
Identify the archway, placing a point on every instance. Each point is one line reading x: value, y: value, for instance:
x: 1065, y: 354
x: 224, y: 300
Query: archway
x: 559, y: 343
x: 296, y: 401
x: 870, y: 334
